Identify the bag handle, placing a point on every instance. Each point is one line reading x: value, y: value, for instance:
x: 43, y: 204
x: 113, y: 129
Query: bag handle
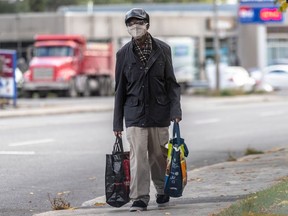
x: 176, y: 132
x: 118, y: 146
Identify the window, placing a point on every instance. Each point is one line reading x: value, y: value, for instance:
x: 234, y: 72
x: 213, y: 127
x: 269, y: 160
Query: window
x: 277, y: 50
x: 278, y: 72
x: 46, y: 51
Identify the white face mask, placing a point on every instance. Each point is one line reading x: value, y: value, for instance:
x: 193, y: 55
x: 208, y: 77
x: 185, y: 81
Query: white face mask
x: 137, y: 31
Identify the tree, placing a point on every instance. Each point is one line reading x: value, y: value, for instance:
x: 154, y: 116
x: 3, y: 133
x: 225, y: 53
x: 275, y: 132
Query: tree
x: 37, y: 5
x: 52, y: 5
x: 283, y: 5
x: 5, y: 7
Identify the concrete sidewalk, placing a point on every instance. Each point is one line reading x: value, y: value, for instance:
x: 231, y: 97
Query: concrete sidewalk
x: 27, y: 108
x: 209, y: 189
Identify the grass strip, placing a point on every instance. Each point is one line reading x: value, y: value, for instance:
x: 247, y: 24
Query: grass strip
x: 269, y: 202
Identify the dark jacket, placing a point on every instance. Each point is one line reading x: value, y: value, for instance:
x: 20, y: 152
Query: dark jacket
x: 146, y: 96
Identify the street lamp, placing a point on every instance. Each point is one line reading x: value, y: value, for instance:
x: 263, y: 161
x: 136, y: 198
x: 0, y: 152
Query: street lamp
x: 216, y: 45
x: 217, y: 41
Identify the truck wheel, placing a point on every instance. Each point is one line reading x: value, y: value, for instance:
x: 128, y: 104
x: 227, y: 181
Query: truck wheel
x: 72, y: 91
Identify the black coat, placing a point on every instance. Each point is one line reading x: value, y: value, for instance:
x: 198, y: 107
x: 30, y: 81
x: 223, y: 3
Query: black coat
x: 146, y: 96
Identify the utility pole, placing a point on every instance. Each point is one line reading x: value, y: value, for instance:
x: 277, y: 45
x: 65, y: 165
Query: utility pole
x: 216, y: 46
x: 90, y: 10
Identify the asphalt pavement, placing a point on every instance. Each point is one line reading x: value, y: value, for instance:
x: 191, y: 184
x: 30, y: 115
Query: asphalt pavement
x: 209, y: 189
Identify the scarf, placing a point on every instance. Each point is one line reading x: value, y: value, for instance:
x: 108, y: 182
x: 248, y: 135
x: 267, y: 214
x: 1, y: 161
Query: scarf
x: 145, y: 51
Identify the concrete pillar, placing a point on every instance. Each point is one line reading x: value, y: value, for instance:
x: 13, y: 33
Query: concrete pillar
x: 252, y: 46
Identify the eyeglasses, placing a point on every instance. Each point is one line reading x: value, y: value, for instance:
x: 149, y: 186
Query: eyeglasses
x: 139, y: 22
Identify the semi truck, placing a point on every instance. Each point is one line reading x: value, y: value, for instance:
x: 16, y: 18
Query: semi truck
x: 68, y: 65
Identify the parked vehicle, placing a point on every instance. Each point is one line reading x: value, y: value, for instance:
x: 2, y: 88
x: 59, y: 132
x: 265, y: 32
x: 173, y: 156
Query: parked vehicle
x: 260, y: 85
x: 68, y: 65
x: 276, y: 76
x: 231, y: 77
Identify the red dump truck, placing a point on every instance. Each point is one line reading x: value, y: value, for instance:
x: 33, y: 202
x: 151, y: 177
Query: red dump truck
x: 69, y: 66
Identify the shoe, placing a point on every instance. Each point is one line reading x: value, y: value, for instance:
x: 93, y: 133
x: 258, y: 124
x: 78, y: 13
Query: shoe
x: 162, y: 200
x: 138, y: 205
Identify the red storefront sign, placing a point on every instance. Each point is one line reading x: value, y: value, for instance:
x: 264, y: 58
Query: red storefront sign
x: 270, y: 14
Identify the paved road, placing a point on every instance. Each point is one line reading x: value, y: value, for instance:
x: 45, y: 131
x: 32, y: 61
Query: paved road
x: 230, y: 126
x: 41, y: 155
x: 66, y: 153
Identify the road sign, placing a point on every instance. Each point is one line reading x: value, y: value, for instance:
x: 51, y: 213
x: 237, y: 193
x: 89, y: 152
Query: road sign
x: 8, y: 87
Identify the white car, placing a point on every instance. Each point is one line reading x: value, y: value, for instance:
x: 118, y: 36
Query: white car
x: 231, y: 77
x: 276, y: 76
x: 260, y: 85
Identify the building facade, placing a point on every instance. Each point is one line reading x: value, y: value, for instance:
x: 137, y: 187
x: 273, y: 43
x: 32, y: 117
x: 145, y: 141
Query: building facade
x: 248, y: 45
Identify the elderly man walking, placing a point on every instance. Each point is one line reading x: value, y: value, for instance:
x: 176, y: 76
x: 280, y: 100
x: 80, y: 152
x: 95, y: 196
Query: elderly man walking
x: 147, y: 96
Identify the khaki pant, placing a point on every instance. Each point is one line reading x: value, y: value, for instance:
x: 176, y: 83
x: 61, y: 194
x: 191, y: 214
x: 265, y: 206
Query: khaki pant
x: 147, y: 155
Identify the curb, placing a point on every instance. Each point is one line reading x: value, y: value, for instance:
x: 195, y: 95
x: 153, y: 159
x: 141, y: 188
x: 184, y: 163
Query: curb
x: 53, y: 110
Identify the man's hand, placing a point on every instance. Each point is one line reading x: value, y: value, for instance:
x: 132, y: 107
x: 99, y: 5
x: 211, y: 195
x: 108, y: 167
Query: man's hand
x: 118, y: 133
x: 177, y: 120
